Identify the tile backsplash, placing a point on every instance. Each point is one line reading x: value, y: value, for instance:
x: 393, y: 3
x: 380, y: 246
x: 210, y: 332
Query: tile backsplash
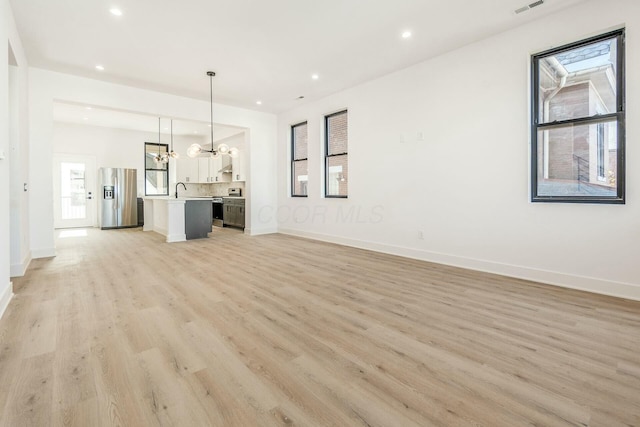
x: 216, y: 190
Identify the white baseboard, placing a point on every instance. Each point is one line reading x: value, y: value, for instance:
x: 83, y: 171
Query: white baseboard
x: 18, y: 270
x: 5, y: 298
x: 588, y: 284
x: 172, y: 238
x: 260, y: 231
x: 43, y: 253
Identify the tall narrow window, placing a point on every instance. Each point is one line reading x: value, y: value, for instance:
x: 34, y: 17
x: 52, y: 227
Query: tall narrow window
x: 336, y: 155
x: 299, y: 160
x: 577, y: 131
x: 156, y: 173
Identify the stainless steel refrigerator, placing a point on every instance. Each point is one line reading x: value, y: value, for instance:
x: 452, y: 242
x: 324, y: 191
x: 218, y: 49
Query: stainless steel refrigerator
x: 118, y: 198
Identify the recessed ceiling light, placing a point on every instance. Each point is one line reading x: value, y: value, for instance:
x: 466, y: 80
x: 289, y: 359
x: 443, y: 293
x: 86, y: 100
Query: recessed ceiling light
x: 406, y: 34
x: 99, y: 67
x: 259, y: 102
x: 315, y: 76
x: 85, y: 118
x: 115, y: 11
x: 87, y: 108
x: 195, y: 131
x: 209, y: 125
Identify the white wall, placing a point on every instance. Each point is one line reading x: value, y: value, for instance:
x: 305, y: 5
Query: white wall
x: 116, y: 148
x: 14, y: 253
x: 46, y: 86
x: 465, y: 187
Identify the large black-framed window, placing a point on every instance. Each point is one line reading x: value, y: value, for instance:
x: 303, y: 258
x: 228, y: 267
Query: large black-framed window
x: 156, y: 174
x: 299, y: 160
x: 336, y: 157
x: 578, y: 118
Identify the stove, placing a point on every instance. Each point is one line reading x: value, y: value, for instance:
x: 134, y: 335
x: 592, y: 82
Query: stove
x: 217, y: 211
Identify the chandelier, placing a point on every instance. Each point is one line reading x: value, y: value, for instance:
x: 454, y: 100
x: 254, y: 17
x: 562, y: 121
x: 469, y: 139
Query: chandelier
x: 195, y: 150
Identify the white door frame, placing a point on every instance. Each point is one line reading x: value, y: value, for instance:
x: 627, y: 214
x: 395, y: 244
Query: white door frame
x: 91, y: 194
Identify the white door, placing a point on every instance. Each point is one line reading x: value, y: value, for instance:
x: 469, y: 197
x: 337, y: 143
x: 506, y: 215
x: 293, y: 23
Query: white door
x: 74, y: 191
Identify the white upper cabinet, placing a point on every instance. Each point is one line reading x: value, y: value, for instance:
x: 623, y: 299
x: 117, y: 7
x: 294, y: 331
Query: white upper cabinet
x: 187, y: 170
x: 239, y: 166
x: 204, y: 173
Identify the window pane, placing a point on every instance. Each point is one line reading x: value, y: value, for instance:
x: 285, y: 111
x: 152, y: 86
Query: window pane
x: 578, y: 83
x: 578, y: 160
x: 300, y: 142
x: 156, y: 183
x: 337, y: 175
x: 337, y: 134
x: 72, y: 191
x: 151, y: 152
x: 300, y: 177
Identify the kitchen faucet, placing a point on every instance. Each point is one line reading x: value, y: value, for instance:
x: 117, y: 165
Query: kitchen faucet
x: 183, y: 186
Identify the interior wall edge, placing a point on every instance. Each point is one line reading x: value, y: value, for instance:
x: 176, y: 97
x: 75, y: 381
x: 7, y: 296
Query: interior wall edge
x: 259, y: 231
x: 19, y: 270
x: 5, y: 298
x: 43, y: 253
x: 564, y: 280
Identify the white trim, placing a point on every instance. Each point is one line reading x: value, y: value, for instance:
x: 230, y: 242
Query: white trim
x: 172, y: 238
x: 588, y: 284
x: 43, y: 253
x: 5, y: 298
x: 18, y: 270
x: 260, y: 231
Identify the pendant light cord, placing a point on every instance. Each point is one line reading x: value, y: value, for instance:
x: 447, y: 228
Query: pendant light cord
x: 211, y: 97
x: 211, y: 74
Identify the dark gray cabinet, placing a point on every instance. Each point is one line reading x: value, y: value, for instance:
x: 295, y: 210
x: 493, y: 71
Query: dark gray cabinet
x: 233, y: 212
x: 197, y: 218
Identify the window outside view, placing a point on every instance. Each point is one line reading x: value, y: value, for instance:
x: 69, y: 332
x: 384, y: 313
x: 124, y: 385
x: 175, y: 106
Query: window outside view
x: 300, y: 164
x: 577, y: 125
x: 337, y: 160
x: 72, y: 191
x: 156, y: 173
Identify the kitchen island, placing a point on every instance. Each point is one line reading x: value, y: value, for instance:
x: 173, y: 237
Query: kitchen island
x: 178, y: 219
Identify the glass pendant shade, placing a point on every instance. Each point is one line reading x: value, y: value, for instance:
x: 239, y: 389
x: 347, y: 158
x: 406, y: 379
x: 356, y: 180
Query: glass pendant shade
x: 194, y: 150
x: 233, y: 152
x: 215, y: 154
x: 223, y: 148
x: 174, y: 154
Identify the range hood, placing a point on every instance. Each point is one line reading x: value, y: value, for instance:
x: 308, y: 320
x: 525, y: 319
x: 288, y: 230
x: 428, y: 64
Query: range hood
x: 226, y: 169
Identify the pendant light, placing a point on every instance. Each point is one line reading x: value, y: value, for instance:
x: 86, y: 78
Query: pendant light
x: 165, y: 156
x: 195, y: 150
x: 173, y: 154
x: 158, y: 158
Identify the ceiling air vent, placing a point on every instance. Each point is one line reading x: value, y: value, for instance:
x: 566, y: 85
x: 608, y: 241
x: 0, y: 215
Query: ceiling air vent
x: 529, y: 6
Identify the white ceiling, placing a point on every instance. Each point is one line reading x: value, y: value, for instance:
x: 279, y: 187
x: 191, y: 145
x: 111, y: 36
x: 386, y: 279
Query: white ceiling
x: 97, y: 116
x: 261, y: 50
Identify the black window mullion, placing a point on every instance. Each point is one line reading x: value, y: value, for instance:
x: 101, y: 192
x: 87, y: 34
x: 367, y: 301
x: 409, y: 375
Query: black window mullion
x: 295, y: 159
x: 328, y: 155
x: 618, y: 116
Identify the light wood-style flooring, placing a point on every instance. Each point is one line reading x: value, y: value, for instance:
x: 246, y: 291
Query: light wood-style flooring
x: 122, y: 329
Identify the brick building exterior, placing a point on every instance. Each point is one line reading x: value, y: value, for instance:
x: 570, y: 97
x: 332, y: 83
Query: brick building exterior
x: 579, y: 158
